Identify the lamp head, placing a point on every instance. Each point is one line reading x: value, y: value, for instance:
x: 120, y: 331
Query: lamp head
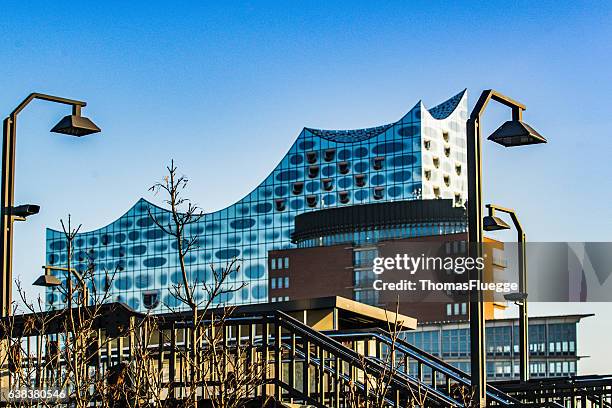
x: 517, y: 297
x: 48, y: 281
x: 493, y: 223
x: 516, y: 133
x: 25, y: 210
x: 75, y: 125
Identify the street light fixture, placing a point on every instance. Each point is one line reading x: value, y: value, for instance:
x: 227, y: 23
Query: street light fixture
x: 49, y: 280
x: 519, y: 298
x: 75, y: 125
x: 516, y: 133
x: 510, y: 134
x: 491, y: 223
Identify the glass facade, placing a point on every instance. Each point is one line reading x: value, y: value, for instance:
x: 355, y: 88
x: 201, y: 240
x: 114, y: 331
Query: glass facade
x: 552, y: 346
x: 323, y: 168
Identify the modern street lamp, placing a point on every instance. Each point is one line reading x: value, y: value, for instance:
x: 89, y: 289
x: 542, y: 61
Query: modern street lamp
x: 492, y: 223
x: 50, y: 281
x: 512, y: 133
x: 74, y: 125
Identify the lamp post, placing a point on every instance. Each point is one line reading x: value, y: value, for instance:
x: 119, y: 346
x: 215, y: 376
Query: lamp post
x: 512, y: 133
x: 74, y: 125
x: 493, y: 223
x: 49, y: 280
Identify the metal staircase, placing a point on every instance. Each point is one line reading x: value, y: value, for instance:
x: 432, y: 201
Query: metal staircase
x: 326, y: 369
x: 428, y: 368
x: 299, y: 365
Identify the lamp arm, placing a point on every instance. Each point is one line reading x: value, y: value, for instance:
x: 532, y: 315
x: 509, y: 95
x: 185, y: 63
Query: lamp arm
x: 76, y: 105
x: 78, y: 276
x: 490, y: 94
x: 512, y: 213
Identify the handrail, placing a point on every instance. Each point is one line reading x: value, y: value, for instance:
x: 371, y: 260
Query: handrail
x: 327, y: 341
x: 316, y: 361
x: 428, y: 359
x: 353, y: 357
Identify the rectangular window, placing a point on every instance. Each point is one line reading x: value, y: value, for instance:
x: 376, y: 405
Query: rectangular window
x: 279, y: 284
x: 273, y: 263
x: 286, y: 281
x: 286, y: 297
x: 464, y: 308
x: 449, y: 309
x: 456, y: 308
x: 273, y: 283
x: 286, y: 263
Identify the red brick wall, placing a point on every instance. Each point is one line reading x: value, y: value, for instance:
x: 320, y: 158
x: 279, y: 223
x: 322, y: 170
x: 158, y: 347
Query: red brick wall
x: 314, y: 272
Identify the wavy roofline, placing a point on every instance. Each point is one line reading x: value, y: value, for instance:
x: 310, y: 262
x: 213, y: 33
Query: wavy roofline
x: 453, y: 102
x: 141, y: 199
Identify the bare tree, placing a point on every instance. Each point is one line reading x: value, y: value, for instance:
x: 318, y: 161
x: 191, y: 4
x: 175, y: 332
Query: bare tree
x: 215, y: 358
x: 374, y: 388
x: 59, y: 347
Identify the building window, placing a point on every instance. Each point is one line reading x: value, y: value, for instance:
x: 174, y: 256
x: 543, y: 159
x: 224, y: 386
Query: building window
x: 343, y: 167
x: 280, y: 204
x: 150, y: 299
x: 328, y: 184
x: 330, y: 154
x: 273, y: 263
x: 273, y: 283
x: 378, y: 163
x: 455, y: 342
x: 298, y: 188
x: 449, y: 309
x: 286, y: 263
x: 360, y: 180
x: 457, y: 199
x: 286, y: 281
x: 379, y: 193
x: 445, y: 136
x: 343, y: 196
x: 464, y: 308
x: 311, y: 200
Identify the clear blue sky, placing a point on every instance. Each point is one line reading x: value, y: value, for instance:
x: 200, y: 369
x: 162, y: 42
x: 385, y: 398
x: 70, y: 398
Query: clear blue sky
x: 225, y: 87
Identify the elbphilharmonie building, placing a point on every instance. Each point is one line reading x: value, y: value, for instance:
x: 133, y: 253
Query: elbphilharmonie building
x: 420, y: 157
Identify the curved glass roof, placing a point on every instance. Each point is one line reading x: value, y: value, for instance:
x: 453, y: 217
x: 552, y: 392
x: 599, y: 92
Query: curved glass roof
x: 441, y: 111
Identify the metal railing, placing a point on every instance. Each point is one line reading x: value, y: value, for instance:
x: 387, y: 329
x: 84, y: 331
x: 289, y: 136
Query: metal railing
x: 429, y: 368
x: 299, y: 364
x: 587, y: 391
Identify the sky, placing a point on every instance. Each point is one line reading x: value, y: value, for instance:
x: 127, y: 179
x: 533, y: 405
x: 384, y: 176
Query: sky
x: 223, y: 88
